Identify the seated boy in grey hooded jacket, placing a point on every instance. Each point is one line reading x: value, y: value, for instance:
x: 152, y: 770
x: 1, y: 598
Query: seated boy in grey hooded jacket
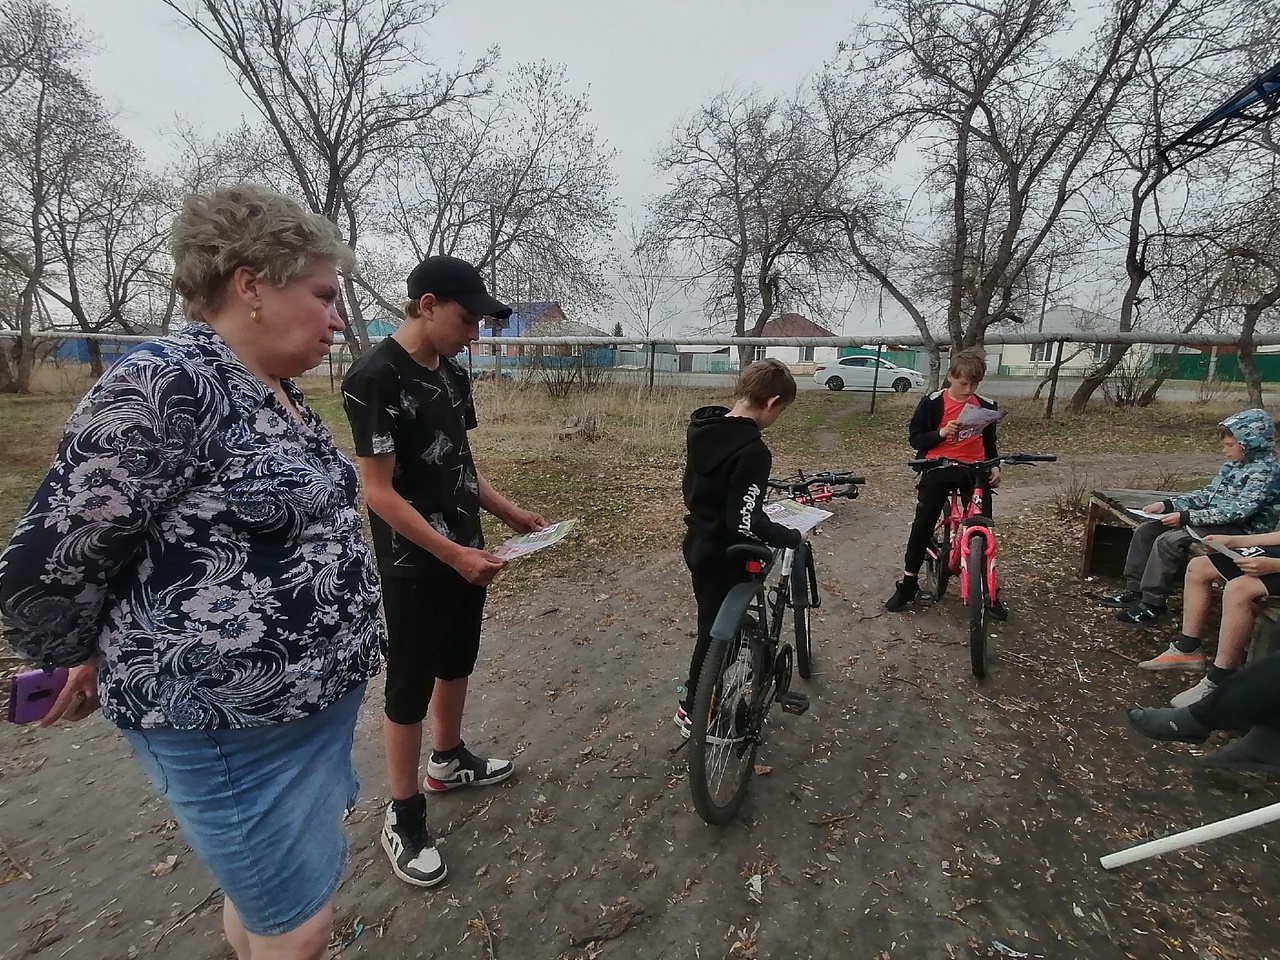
x: 1244, y: 498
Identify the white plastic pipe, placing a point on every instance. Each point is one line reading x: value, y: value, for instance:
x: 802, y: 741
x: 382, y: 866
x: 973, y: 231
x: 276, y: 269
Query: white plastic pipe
x: 1210, y: 831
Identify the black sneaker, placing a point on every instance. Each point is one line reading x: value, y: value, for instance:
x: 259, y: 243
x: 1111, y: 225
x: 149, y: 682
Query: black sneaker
x: 1168, y: 723
x: 464, y: 769
x: 1122, y: 600
x: 904, y: 591
x: 411, y: 849
x: 1258, y: 751
x: 998, y: 610
x: 1143, y: 615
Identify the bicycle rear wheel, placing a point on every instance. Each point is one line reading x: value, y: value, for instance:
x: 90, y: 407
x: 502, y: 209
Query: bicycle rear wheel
x: 977, y: 564
x: 804, y: 593
x: 722, y: 745
x: 937, y: 561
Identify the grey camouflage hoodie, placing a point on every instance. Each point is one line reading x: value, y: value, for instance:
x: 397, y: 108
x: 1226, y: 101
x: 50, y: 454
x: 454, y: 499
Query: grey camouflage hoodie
x: 1245, y: 493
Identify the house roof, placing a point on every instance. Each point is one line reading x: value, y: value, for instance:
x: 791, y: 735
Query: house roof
x: 524, y: 314
x: 1074, y: 320
x: 558, y: 327
x: 794, y: 325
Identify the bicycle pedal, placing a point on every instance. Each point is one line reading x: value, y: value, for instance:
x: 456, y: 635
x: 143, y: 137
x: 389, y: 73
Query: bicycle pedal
x: 794, y: 703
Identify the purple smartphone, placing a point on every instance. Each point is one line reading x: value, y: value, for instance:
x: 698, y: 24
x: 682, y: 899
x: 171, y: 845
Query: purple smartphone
x: 31, y: 694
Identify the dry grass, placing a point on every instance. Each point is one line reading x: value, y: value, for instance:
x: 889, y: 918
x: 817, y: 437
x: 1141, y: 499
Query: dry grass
x: 625, y: 485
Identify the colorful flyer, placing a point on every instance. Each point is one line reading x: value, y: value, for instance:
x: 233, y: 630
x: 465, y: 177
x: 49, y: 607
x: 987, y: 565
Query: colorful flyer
x: 795, y: 515
x: 524, y: 544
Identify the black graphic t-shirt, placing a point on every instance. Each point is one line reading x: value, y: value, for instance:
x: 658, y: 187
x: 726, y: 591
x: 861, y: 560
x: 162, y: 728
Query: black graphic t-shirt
x: 395, y: 405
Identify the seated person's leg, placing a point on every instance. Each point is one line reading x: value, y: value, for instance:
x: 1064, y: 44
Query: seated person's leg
x: 1197, y: 597
x: 1238, y: 615
x: 1159, y: 576
x: 1247, y: 698
x: 1135, y: 562
x: 1238, y: 598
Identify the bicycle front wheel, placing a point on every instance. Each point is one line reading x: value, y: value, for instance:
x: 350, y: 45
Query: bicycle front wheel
x: 977, y: 563
x: 937, y: 561
x: 722, y: 745
x: 804, y: 591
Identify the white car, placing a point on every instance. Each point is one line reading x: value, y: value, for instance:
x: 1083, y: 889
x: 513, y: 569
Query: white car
x: 860, y: 373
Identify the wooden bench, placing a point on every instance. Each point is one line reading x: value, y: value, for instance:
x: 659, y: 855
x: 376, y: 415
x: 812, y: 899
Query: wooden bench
x: 1108, y: 529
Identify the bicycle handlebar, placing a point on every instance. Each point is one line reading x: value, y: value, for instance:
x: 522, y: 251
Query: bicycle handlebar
x: 801, y: 487
x: 1013, y: 459
x: 829, y: 478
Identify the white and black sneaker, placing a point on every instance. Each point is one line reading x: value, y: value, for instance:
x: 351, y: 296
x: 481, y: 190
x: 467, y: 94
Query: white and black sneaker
x: 464, y: 769
x: 411, y: 848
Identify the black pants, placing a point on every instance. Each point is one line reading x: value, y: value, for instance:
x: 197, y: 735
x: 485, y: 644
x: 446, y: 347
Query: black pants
x: 1158, y: 556
x: 1250, y: 697
x: 713, y: 577
x: 931, y: 498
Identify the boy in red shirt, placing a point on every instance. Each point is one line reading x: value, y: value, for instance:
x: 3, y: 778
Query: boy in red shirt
x: 935, y: 431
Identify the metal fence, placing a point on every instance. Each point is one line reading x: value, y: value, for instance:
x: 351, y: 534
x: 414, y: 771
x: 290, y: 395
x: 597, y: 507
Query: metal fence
x: 62, y: 356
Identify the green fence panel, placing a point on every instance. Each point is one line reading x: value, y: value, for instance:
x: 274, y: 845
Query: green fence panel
x: 1195, y: 366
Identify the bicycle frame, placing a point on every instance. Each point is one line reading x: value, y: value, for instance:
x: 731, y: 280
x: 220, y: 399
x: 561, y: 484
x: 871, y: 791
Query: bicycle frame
x: 953, y: 523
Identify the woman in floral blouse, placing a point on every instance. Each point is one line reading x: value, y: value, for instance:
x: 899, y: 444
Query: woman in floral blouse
x: 195, y: 556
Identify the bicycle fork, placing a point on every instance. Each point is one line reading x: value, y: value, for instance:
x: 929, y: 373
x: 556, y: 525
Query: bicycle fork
x: 988, y: 557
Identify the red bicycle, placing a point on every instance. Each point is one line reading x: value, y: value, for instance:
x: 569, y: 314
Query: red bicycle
x: 964, y: 545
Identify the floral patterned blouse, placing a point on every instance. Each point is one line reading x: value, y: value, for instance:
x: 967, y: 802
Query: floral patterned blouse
x: 203, y: 541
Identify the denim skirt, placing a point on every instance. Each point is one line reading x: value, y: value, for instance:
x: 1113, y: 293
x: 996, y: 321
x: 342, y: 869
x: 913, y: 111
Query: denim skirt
x: 263, y: 807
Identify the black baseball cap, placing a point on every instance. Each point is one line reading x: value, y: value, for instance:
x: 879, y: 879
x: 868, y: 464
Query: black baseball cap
x: 452, y: 279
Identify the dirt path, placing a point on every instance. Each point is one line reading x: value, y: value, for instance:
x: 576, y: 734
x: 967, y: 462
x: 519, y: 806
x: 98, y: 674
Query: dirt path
x: 911, y: 813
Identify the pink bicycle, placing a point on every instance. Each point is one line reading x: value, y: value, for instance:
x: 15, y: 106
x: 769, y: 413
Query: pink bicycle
x: 964, y: 545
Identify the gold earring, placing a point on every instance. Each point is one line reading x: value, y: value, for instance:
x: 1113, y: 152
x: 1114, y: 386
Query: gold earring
x: 255, y: 316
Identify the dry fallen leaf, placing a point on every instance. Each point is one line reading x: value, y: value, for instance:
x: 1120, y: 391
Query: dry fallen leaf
x: 762, y: 769
x: 165, y: 866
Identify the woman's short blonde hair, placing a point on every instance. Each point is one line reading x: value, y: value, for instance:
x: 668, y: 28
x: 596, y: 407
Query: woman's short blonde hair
x: 247, y: 226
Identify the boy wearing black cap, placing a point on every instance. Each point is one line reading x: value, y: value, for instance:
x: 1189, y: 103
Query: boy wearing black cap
x: 409, y: 404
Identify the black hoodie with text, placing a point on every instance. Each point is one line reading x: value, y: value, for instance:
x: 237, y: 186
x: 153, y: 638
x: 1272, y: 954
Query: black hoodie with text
x: 725, y: 479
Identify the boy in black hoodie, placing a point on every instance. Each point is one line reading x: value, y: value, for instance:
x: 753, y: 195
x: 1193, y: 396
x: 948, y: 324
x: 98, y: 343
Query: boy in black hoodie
x: 725, y: 480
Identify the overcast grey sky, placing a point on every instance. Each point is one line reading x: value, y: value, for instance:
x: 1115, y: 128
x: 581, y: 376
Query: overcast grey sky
x: 645, y: 62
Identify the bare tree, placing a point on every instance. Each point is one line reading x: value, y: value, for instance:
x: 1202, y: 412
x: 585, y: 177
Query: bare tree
x: 1010, y: 130
x: 1156, y: 205
x: 749, y: 174
x: 521, y: 186
x: 109, y: 233
x: 646, y: 284
x: 330, y: 79
x: 49, y: 120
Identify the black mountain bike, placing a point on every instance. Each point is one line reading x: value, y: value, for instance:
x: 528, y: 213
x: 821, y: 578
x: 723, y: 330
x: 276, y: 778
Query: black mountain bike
x: 748, y: 665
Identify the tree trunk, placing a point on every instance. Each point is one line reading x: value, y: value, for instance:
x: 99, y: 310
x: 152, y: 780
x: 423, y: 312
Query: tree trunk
x: 1244, y: 355
x: 935, y: 365
x: 355, y: 320
x: 26, y: 364
x: 1148, y: 396
x: 8, y: 381
x: 94, y: 348
x: 170, y: 307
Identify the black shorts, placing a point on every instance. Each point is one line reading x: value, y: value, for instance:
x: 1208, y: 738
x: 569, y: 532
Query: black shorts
x: 1227, y: 567
x: 433, y: 633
